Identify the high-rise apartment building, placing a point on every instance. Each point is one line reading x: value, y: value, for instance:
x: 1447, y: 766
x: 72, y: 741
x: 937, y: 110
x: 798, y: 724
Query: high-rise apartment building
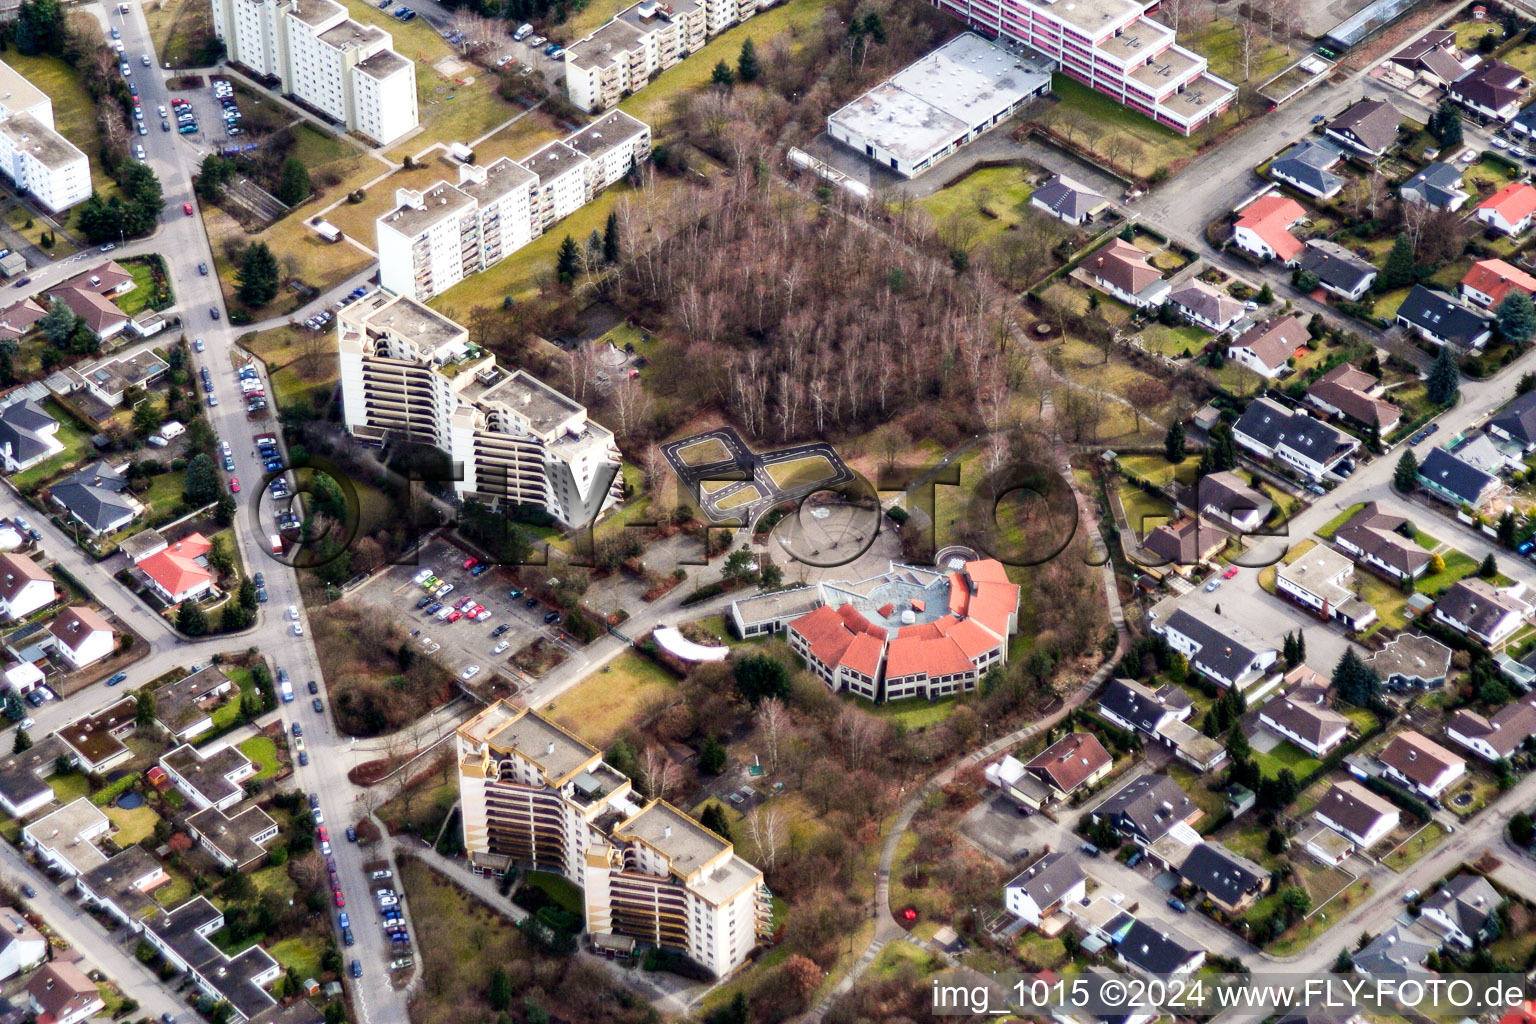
x: 644, y: 40
x: 1112, y: 47
x: 435, y: 238
x: 409, y: 373
x: 33, y: 155
x: 341, y: 68
x: 532, y: 794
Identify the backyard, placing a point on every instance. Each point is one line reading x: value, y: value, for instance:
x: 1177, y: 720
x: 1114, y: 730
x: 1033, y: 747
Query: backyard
x: 77, y: 445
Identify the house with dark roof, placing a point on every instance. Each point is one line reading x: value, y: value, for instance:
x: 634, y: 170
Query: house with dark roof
x: 1305, y: 718
x: 1452, y: 480
x: 1377, y: 538
x: 1369, y: 127
x: 1158, y: 950
x: 1509, y: 210
x: 1432, y: 58
x: 1266, y: 348
x: 1517, y: 422
x: 1226, y: 497
x: 1146, y: 808
x: 1493, y: 89
x: 1465, y: 911
x: 1305, y: 167
x: 1349, y: 392
x: 1411, y: 661
x: 1231, y: 882
x: 236, y: 840
x: 1218, y: 648
x: 241, y: 980
x: 1130, y: 705
x: 27, y: 436
x: 1507, y: 730
x: 1489, y: 282
x: 1302, y: 442
x: 97, y: 497
x: 1185, y: 544
x: 101, y: 316
x: 1439, y: 318
x: 60, y: 993
x: 121, y: 885
x: 1396, y: 952
x: 1436, y: 185
x: 17, y: 318
x: 1204, y: 306
x: 184, y: 707
x: 1263, y: 228
x: 1337, y: 269
x: 1039, y: 891
x: 1068, y: 200
x: 1472, y: 606
x: 1356, y: 813
x: 1122, y: 270
x: 1420, y: 764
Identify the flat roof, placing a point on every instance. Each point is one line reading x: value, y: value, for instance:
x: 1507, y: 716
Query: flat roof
x: 405, y: 317
x: 352, y: 33
x: 1136, y: 40
x: 383, y: 64
x: 316, y: 12
x: 553, y: 160
x: 1165, y: 69
x: 537, y: 739
x: 543, y: 406
x: 116, y: 879
x: 234, y: 835
x: 92, y: 734
x: 1205, y: 92
x: 606, y: 133
x: 501, y: 177
x: 176, y: 703
x: 1089, y: 16
x: 438, y: 203
x: 604, y: 46
x: 684, y: 842
x: 60, y: 833
x: 207, y: 773
x: 766, y: 607
x: 16, y: 93
x: 971, y: 79
x: 898, y: 122
x: 49, y: 147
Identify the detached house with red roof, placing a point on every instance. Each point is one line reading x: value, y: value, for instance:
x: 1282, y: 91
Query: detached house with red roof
x: 179, y: 572
x: 1266, y: 348
x: 82, y: 637
x: 1263, y: 228
x: 1509, y: 210
x: 1489, y: 282
x: 910, y: 631
x: 61, y: 994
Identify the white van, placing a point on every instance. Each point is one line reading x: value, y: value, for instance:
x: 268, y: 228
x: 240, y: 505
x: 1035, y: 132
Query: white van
x: 523, y: 32
x: 171, y: 429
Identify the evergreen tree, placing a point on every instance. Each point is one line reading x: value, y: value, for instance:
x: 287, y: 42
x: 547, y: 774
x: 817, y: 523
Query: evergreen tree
x: 1406, y: 476
x: 1506, y: 529
x: 759, y: 676
x: 499, y: 996
x: 1490, y: 567
x: 248, y: 594
x: 39, y: 28
x: 1173, y: 442
x: 202, y: 481
x: 1444, y: 383
x: 214, y: 176
x: 293, y: 182
x: 747, y: 67
x: 1445, y: 125
x: 722, y: 75
x: 191, y: 619
x: 1355, y: 681
x: 611, y: 251
x: 144, y: 707
x: 711, y: 756
x: 1517, y: 317
x: 23, y: 742
x: 715, y: 820
x: 14, y: 711
x: 1399, y: 269
x: 1526, y: 383
x: 568, y: 261
x: 58, y: 323
x: 258, y: 275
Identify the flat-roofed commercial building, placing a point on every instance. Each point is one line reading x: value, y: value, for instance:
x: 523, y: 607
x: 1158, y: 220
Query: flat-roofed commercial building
x: 36, y: 158
x: 535, y: 795
x: 410, y: 373
x: 935, y: 105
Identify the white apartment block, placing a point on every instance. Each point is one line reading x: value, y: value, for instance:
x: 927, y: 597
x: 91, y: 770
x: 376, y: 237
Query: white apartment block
x: 534, y: 795
x: 409, y: 373
x: 434, y: 239
x: 1110, y: 46
x: 644, y: 40
x: 36, y: 158
x: 341, y: 68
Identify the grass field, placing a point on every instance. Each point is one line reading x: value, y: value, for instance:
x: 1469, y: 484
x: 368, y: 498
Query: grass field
x: 1160, y: 147
x: 1286, y: 755
x: 1416, y: 846
x: 1174, y: 342
x: 702, y: 453
x: 74, y: 115
x: 983, y: 204
x: 653, y: 104
x: 561, y: 890
x: 800, y: 472
x: 1143, y: 512
x: 606, y: 703
x: 178, y: 28
x: 1220, y: 42
x: 301, y: 953
x: 300, y: 253
x: 745, y: 496
x: 18, y: 217
x: 76, y: 442
x: 132, y: 825
x: 264, y: 753
x: 70, y: 786
x: 1159, y: 471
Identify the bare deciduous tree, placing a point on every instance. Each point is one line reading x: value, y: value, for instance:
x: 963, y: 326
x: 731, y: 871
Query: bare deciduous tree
x: 659, y: 772
x: 773, y: 725
x: 765, y: 827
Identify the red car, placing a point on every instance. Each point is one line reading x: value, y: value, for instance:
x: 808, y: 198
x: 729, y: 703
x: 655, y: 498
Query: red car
x: 470, y: 563
x: 341, y: 900
x: 1229, y: 573
x: 455, y: 616
x: 325, y: 836
x: 234, y: 485
x: 479, y: 610
x: 186, y: 208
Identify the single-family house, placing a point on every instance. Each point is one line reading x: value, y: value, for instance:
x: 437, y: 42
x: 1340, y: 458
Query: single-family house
x: 1228, y: 880
x: 184, y: 707
x: 1350, y: 392
x: 1507, y: 730
x: 1263, y: 228
x: 1474, y: 607
x: 1493, y: 89
x: 180, y: 571
x: 100, y: 314
x: 1039, y: 891
x: 1369, y: 127
x: 1432, y: 58
x: 25, y: 586
x: 1465, y: 911
x: 22, y: 947
x: 1436, y: 185
x: 1356, y: 813
x: 1376, y: 538
x: 1324, y: 580
x: 211, y: 779
x: 1395, y: 953
x: 1131, y: 705
x: 1305, y: 167
x: 1517, y: 422
x: 1489, y: 282
x: 1068, y: 200
x: 27, y: 436
x: 1420, y: 763
x: 1411, y: 661
x: 1218, y: 648
x: 60, y: 993
x: 1158, y: 951
x: 1185, y: 544
x: 65, y: 839
x: 1337, y: 269
x: 1302, y: 442
x: 17, y: 318
x: 1439, y: 318
x: 1075, y: 762
x: 1265, y: 348
x: 81, y: 636
x: 1144, y: 809
x: 1455, y: 481
x: 1304, y: 718
x: 1204, y: 306
x: 97, y: 497
x: 1122, y: 270
x: 1226, y: 497
x: 1509, y: 210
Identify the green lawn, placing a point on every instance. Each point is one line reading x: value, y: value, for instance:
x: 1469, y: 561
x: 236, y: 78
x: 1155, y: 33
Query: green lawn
x: 77, y: 445
x: 561, y: 890
x: 1159, y: 471
x: 69, y: 786
x: 983, y: 204
x: 912, y: 714
x: 1159, y: 146
x: 1416, y: 846
x: 1174, y: 342
x: 1457, y: 566
x: 1286, y: 755
x: 132, y: 825
x: 262, y: 751
x: 1142, y: 511
x: 137, y: 301
x: 608, y: 702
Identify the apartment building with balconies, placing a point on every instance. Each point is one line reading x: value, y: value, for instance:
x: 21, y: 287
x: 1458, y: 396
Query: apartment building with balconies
x: 409, y: 373
x: 435, y: 238
x: 341, y: 68
x: 1111, y: 47
x: 533, y: 794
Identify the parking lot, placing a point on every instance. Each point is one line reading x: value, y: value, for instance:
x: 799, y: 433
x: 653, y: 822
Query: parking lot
x: 463, y: 644
x: 208, y: 111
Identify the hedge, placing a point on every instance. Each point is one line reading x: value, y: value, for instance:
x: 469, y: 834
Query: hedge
x: 115, y: 790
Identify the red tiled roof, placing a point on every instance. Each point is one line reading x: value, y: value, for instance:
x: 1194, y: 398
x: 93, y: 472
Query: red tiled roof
x: 863, y: 655
x: 1495, y: 279
x: 971, y: 637
x: 1071, y: 760
x: 959, y: 594
x: 904, y: 656
x: 993, y: 604
x: 987, y: 570
x: 1270, y: 217
x: 944, y: 657
x: 857, y: 622
x: 919, y: 631
x: 1513, y: 202
x: 886, y: 609
x: 175, y: 569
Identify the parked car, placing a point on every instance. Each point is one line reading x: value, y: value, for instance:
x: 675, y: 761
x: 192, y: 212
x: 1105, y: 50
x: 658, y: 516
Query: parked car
x: 1177, y: 905
x: 117, y: 678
